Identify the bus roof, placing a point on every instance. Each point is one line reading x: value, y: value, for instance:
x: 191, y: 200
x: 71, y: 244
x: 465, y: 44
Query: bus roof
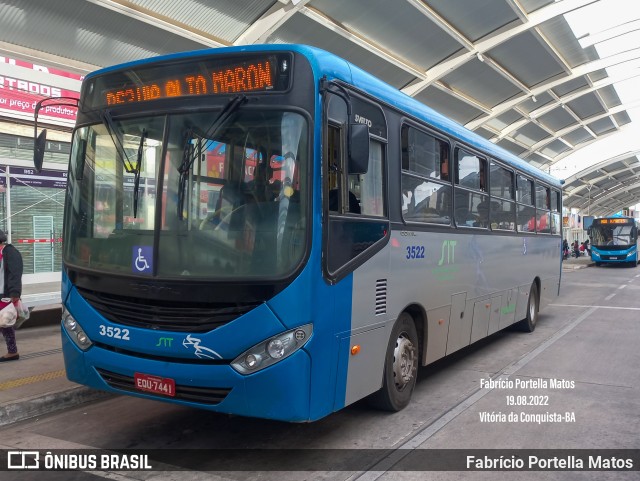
x: 334, y: 67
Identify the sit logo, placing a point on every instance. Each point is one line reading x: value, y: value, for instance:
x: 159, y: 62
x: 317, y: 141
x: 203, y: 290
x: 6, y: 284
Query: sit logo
x: 448, y: 252
x: 164, y: 342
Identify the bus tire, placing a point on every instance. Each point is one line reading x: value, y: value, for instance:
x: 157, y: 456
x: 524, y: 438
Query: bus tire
x: 528, y: 324
x: 598, y: 264
x: 400, y: 367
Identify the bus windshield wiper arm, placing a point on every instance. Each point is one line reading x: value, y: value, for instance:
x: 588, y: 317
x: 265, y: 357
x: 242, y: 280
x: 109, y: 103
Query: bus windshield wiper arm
x: 136, y: 173
x: 111, y: 128
x: 189, y: 153
x: 183, y: 169
x: 219, y: 121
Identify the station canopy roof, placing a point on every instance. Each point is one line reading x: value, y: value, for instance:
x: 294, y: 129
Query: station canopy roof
x: 514, y: 71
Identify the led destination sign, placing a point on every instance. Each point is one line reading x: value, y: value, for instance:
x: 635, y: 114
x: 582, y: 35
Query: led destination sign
x: 190, y: 79
x: 614, y: 221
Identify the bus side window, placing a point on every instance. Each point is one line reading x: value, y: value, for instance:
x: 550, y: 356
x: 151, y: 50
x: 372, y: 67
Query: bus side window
x: 333, y: 168
x: 425, y: 186
x: 471, y: 199
x: 366, y: 190
x: 526, y: 212
x: 335, y: 174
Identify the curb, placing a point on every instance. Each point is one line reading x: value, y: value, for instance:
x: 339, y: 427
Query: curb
x: 573, y: 268
x: 39, y: 405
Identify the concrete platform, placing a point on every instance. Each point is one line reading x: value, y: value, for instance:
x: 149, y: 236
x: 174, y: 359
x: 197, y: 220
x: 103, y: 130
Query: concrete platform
x: 577, y: 263
x: 41, y: 295
x: 36, y: 384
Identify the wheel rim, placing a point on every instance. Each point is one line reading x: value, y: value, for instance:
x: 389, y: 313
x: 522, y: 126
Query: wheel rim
x: 404, y: 359
x: 532, y: 308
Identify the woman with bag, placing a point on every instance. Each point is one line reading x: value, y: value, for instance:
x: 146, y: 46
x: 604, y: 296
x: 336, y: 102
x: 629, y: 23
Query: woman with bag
x: 11, y: 288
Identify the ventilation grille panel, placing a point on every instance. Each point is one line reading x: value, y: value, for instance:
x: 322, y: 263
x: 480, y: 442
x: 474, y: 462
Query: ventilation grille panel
x: 381, y: 297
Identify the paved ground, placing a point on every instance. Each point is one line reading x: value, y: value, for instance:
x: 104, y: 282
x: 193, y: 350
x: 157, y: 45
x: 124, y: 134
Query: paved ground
x: 587, y: 337
x: 36, y: 384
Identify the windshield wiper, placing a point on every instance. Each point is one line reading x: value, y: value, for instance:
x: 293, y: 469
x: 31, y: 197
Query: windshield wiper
x: 190, y: 154
x: 126, y: 162
x: 136, y: 173
x: 184, y: 167
x: 115, y: 138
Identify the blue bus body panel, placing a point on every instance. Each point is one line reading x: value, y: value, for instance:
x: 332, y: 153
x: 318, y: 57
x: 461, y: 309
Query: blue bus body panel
x: 294, y: 389
x: 65, y: 286
x: 624, y: 256
x: 227, y: 341
x: 271, y: 393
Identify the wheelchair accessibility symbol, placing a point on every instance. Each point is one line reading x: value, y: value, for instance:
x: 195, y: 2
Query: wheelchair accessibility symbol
x: 142, y: 262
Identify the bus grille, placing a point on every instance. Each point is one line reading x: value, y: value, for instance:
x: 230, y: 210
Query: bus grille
x: 163, y: 315
x: 202, y: 395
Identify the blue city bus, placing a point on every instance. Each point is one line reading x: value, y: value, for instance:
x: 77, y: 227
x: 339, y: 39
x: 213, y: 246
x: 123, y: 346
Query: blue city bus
x: 614, y: 240
x: 270, y: 231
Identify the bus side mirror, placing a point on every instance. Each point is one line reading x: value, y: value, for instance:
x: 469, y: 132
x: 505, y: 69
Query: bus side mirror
x: 38, y: 150
x: 358, y: 148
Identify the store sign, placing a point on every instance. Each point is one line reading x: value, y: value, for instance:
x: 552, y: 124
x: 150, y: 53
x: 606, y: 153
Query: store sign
x: 41, y: 68
x: 19, y: 95
x: 28, y: 177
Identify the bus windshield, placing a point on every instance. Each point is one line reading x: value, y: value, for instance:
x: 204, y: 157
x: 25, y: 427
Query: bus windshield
x: 612, y: 234
x: 189, y: 195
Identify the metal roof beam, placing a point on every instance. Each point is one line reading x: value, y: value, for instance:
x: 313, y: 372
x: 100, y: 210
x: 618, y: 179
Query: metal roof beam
x: 534, y: 114
x: 460, y: 96
x: 581, y: 123
x: 518, y: 9
x: 356, y: 39
x: 601, y: 165
x: 627, y: 56
x: 595, y: 181
x: 162, y: 22
x: 536, y: 18
x: 553, y: 51
x: 432, y: 15
x: 609, y: 33
x: 260, y: 30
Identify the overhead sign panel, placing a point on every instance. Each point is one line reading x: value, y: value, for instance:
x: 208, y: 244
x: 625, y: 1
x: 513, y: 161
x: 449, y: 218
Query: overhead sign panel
x: 189, y: 78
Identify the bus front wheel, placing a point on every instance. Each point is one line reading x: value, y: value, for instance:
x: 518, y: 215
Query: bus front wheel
x: 400, y: 366
x: 528, y: 324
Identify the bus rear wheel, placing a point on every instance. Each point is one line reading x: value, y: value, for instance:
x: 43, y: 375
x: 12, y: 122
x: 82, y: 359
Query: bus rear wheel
x: 400, y: 366
x: 528, y: 324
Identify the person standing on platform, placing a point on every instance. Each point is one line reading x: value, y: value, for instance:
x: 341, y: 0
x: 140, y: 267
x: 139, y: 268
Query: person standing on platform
x: 11, y: 287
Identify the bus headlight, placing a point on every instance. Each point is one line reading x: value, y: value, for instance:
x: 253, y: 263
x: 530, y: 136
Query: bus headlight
x: 74, y: 330
x: 272, y: 350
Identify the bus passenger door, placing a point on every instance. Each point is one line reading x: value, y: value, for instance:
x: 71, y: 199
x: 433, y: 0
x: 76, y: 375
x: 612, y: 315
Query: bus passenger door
x: 355, y: 236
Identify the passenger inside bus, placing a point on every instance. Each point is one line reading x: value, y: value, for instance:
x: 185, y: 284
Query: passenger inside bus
x: 483, y: 213
x: 444, y: 166
x: 334, y: 196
